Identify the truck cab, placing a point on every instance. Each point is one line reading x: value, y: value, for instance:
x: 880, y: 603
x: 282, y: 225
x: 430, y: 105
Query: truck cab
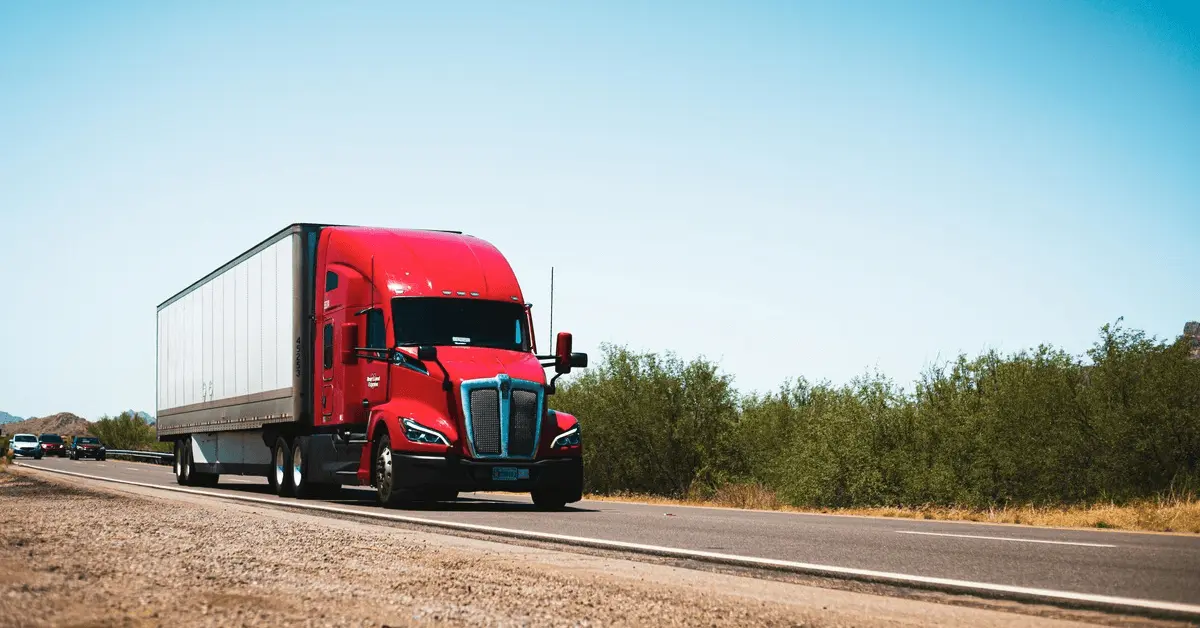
x: 428, y: 360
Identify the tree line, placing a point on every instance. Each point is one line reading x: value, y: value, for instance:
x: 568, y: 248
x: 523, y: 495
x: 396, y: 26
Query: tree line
x: 1038, y: 426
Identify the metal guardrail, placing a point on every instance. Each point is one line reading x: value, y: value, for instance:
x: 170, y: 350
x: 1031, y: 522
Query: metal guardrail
x: 157, y: 456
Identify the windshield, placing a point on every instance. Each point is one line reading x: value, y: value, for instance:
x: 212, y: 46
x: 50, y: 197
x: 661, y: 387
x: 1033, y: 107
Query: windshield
x: 460, y: 322
x: 24, y: 438
x: 51, y: 438
x: 87, y: 441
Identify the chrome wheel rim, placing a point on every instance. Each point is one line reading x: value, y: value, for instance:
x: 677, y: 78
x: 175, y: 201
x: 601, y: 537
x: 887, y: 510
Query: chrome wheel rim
x: 178, y: 461
x: 297, y: 467
x: 384, y: 472
x: 279, y: 476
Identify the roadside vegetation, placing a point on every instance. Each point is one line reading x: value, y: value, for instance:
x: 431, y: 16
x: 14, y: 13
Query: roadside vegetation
x: 1107, y: 439
x: 127, y: 431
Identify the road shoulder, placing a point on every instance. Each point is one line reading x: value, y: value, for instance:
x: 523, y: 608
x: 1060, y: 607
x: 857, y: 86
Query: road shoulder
x: 187, y: 559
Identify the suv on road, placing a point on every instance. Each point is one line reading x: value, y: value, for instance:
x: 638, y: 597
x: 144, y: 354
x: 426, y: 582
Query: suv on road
x: 86, y: 447
x: 26, y: 445
x: 52, y: 445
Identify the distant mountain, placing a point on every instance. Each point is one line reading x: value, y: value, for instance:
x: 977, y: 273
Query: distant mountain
x: 63, y: 423
x: 8, y: 418
x: 145, y: 416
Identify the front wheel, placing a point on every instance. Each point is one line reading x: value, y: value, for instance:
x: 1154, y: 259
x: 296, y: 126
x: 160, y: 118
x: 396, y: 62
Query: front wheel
x: 387, y: 491
x: 554, y: 499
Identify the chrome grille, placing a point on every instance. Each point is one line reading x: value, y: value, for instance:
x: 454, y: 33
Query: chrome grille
x: 485, y: 421
x: 522, y: 423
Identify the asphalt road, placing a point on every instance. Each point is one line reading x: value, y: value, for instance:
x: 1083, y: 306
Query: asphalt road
x: 1159, y: 567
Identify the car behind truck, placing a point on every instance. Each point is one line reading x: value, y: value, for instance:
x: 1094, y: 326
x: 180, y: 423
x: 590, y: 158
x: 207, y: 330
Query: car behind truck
x: 404, y: 360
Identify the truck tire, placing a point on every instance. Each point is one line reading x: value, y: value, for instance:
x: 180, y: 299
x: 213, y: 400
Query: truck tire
x: 178, y: 463
x: 386, y: 491
x: 185, y: 465
x: 280, y: 476
x: 298, y: 469
x: 553, y: 499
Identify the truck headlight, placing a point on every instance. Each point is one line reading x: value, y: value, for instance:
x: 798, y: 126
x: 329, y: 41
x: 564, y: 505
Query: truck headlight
x: 418, y: 433
x: 569, y: 438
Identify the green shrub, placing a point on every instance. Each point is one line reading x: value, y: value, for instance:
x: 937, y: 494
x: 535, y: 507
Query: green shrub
x: 127, y: 431
x: 1032, y: 427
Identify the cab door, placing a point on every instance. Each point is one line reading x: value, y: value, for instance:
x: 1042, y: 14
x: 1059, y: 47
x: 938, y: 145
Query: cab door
x: 332, y: 370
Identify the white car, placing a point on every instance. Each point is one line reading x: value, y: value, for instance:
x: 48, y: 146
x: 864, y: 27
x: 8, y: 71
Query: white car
x: 26, y: 445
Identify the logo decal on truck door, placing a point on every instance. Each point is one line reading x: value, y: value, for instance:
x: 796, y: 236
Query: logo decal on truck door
x: 372, y: 381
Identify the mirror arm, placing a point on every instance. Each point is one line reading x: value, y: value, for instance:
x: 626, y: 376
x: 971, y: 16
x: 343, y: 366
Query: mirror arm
x: 551, y: 388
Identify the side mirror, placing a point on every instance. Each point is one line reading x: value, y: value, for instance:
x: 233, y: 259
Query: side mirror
x: 562, y: 353
x: 349, y: 342
x: 427, y: 353
x: 579, y: 360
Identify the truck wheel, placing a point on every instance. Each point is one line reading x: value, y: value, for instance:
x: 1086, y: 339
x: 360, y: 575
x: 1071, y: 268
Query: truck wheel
x: 548, y: 499
x: 387, y: 492
x: 298, y: 469
x: 280, y: 476
x: 179, y: 462
x: 185, y: 464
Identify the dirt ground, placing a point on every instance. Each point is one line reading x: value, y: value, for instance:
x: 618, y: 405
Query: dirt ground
x: 77, y: 554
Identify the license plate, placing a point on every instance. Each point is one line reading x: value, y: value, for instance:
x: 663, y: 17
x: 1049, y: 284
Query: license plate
x: 509, y: 473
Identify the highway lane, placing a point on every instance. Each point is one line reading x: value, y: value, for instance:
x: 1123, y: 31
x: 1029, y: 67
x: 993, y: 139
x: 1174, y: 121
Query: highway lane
x: 1159, y: 567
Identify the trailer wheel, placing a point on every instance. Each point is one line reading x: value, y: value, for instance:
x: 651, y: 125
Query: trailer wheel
x: 178, y: 462
x: 387, y: 492
x: 280, y: 476
x: 183, y: 474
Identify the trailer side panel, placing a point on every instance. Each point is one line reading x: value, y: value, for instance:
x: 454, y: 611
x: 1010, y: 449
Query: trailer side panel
x: 228, y: 345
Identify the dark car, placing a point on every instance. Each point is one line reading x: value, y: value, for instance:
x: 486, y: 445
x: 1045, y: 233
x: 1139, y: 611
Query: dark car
x: 52, y: 445
x: 87, y: 447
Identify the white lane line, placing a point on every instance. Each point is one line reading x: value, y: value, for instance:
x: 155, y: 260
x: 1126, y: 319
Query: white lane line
x: 1003, y: 538
x: 133, y: 469
x: 658, y: 550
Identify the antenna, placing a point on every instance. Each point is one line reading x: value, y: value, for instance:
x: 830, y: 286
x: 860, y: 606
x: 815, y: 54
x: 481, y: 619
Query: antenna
x: 372, y: 282
x: 551, y: 340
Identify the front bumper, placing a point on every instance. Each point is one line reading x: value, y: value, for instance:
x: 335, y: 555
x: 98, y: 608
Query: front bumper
x: 461, y: 474
x: 88, y: 453
x: 28, y: 452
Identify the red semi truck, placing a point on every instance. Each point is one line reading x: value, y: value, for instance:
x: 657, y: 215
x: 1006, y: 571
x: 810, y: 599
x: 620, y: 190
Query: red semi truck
x: 404, y: 360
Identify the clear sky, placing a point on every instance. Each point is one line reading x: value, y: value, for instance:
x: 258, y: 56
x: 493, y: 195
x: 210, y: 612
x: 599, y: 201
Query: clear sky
x: 788, y: 188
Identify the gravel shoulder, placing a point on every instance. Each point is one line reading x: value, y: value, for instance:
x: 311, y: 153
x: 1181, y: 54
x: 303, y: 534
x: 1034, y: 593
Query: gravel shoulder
x: 78, y: 552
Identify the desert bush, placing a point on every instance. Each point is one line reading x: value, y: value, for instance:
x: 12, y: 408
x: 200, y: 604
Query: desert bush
x: 1038, y: 427
x: 127, y: 431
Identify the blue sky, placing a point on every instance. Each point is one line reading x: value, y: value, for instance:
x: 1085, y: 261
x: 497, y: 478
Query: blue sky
x: 790, y: 188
